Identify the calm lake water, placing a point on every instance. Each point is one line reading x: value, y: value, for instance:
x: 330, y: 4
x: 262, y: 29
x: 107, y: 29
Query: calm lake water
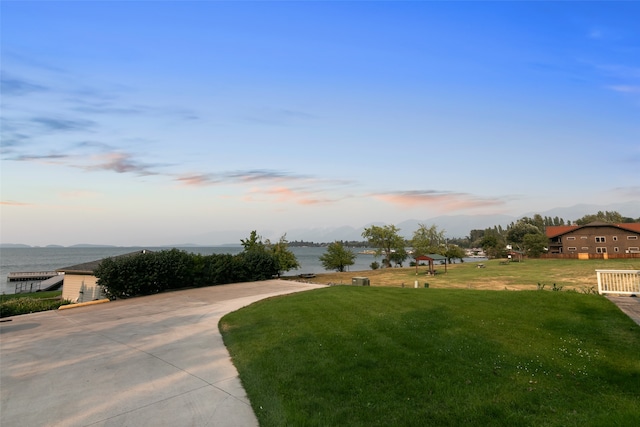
x: 50, y: 259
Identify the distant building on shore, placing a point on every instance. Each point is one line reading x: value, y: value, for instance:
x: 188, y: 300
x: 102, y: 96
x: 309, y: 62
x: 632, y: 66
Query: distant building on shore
x: 594, y: 240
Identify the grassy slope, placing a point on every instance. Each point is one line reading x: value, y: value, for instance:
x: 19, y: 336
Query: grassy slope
x: 572, y: 274
x: 16, y: 304
x: 387, y: 356
x: 32, y: 295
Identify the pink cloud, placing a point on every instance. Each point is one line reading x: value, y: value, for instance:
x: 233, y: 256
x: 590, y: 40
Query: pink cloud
x: 120, y: 163
x: 441, y: 201
x: 197, y: 180
x: 288, y: 195
x: 13, y: 203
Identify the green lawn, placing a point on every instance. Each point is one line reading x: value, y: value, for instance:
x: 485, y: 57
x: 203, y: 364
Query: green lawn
x: 32, y: 295
x: 15, y: 304
x: 358, y: 356
x: 568, y: 273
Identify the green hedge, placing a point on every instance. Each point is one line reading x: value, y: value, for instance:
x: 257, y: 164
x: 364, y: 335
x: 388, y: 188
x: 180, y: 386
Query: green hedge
x: 153, y: 272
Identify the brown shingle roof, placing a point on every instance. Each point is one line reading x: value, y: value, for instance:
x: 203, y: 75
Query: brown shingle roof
x: 558, y: 230
x: 91, y: 266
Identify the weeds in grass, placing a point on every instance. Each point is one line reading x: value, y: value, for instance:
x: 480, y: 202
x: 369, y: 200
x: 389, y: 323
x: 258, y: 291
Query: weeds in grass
x: 555, y: 288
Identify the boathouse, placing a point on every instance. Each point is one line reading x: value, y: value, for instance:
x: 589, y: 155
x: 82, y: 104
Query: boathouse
x: 80, y: 283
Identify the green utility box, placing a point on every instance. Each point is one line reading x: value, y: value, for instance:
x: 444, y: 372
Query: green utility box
x: 360, y: 281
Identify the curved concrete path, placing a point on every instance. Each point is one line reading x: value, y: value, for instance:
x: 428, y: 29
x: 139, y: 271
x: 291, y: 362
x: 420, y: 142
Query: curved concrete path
x: 156, y: 360
x: 628, y: 305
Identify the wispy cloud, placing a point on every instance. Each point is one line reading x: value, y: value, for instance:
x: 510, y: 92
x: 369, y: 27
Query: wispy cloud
x: 439, y: 200
x: 631, y: 191
x: 283, y: 194
x: 56, y: 124
x: 18, y: 87
x: 14, y: 203
x: 273, y: 185
x: 240, y: 177
x: 262, y: 175
x: 11, y: 140
x: 120, y: 162
x: 625, y: 88
x: 48, y: 158
x: 620, y: 71
x: 197, y: 180
x: 96, y: 104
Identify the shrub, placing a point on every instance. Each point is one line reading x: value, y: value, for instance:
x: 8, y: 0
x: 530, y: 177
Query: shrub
x: 256, y: 265
x: 153, y: 272
x: 216, y: 269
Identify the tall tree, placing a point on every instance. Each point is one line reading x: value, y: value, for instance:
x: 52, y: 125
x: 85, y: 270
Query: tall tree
x: 454, y: 251
x: 285, y: 259
x: 337, y: 257
x: 399, y: 255
x: 516, y: 233
x: 385, y: 239
x: 606, y: 216
x: 257, y: 262
x: 475, y: 236
x: 253, y: 242
x: 493, y: 244
x: 534, y: 244
x: 427, y: 240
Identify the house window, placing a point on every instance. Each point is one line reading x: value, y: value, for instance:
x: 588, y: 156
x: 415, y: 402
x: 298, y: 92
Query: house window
x: 616, y: 249
x: 632, y: 237
x: 600, y: 239
x: 571, y: 238
x: 571, y: 248
x: 584, y: 248
x: 583, y: 237
x: 601, y: 250
x: 633, y: 249
x: 615, y: 238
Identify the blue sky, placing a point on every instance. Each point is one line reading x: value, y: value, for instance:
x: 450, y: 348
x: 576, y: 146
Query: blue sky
x: 141, y: 123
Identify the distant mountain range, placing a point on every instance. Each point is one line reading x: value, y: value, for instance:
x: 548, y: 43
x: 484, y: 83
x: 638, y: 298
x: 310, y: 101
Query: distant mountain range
x: 453, y: 225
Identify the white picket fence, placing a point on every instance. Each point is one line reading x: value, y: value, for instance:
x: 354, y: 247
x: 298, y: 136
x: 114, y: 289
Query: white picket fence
x: 624, y: 282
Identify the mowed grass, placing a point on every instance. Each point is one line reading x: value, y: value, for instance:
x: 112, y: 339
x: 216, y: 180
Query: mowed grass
x: 385, y: 356
x: 579, y: 275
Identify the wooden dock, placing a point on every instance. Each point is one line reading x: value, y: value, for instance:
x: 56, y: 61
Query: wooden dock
x: 35, y: 281
x: 22, y: 276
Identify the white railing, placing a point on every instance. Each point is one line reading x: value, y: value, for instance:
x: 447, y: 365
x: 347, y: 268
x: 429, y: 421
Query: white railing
x: 625, y: 282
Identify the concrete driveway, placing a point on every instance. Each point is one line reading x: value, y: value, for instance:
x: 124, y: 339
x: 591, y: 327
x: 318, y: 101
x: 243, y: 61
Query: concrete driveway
x: 156, y: 360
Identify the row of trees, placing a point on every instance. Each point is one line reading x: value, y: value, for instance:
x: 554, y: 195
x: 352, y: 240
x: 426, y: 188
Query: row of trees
x: 526, y: 235
x: 153, y: 272
x: 393, y: 247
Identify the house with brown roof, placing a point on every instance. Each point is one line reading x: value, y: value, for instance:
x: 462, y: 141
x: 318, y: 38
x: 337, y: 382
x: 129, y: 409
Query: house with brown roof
x: 595, y: 240
x: 80, y: 283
